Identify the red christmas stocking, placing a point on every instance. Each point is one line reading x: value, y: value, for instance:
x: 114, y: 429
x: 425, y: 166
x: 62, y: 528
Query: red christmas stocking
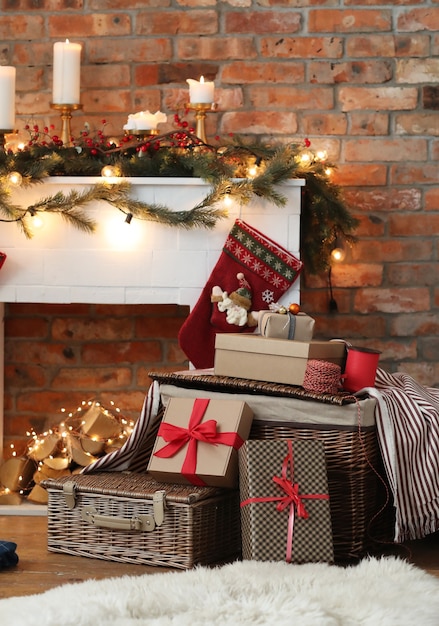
x: 252, y: 272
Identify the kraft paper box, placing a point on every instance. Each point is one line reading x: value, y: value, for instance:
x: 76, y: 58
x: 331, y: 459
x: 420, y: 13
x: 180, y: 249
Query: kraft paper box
x: 214, y: 464
x: 299, y: 327
x: 242, y: 355
x: 266, y: 531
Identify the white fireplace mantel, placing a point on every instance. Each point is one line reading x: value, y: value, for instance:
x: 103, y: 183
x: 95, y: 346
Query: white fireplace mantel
x: 157, y: 264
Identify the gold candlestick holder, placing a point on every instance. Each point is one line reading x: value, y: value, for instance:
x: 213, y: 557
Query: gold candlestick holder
x: 142, y: 135
x: 3, y: 133
x: 66, y: 116
x: 201, y: 109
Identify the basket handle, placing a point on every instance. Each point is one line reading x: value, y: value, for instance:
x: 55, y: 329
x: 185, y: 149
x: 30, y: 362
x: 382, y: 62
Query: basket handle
x: 138, y: 522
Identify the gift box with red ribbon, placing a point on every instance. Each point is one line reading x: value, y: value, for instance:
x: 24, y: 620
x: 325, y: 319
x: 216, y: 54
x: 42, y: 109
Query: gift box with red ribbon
x: 285, y: 509
x: 198, y: 441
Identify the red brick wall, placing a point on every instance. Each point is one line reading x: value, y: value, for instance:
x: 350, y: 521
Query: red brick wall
x: 359, y: 79
x: 56, y: 356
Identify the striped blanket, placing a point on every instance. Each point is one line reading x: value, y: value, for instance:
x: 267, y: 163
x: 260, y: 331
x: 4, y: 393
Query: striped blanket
x: 407, y: 417
x: 134, y: 455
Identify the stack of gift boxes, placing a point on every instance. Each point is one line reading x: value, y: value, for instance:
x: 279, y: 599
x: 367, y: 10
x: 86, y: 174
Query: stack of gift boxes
x: 283, y: 486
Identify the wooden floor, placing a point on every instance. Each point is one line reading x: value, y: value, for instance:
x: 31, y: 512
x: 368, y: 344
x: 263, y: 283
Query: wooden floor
x: 39, y: 570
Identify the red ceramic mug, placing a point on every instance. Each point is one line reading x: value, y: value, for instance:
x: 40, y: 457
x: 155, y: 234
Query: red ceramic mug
x: 361, y: 368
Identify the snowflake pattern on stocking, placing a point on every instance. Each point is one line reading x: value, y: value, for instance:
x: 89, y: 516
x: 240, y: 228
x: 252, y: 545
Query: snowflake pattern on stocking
x: 267, y: 296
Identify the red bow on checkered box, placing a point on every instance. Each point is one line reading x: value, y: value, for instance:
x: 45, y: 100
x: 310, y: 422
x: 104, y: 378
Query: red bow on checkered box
x: 2, y: 258
x: 285, y: 517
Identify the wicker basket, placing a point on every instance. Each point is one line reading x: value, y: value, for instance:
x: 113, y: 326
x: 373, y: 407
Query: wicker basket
x: 200, y: 525
x: 361, y: 514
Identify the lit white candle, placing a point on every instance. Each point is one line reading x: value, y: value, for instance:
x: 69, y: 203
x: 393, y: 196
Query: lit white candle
x: 66, y: 73
x: 7, y: 97
x: 200, y: 92
x: 144, y: 120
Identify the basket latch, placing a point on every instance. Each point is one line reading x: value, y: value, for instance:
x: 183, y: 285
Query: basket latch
x: 70, y: 494
x: 159, y: 505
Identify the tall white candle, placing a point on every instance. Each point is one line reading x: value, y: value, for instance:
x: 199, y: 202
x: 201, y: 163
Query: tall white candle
x: 200, y: 92
x: 7, y: 97
x: 66, y: 73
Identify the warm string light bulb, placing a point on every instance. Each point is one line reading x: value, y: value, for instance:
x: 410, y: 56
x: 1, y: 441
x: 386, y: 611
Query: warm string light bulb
x: 108, y: 171
x: 227, y: 200
x: 15, y: 179
x: 338, y: 255
x: 123, y: 236
x: 37, y: 222
x: 306, y: 157
x: 338, y: 252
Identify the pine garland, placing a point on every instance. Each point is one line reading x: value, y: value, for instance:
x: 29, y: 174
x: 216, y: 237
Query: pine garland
x: 180, y: 154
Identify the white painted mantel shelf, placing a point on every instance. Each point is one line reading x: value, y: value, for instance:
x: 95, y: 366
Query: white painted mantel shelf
x: 164, y: 264
x: 158, y: 265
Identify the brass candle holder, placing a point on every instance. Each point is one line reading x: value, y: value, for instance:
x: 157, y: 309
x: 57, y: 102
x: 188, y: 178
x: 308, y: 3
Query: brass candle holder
x: 201, y: 109
x: 66, y: 116
x: 3, y: 133
x: 142, y: 135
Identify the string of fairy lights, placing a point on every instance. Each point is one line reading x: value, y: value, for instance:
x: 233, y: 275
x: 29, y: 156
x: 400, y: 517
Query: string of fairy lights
x: 82, y: 436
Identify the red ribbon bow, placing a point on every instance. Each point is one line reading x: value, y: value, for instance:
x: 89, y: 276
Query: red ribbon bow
x: 292, y: 498
x: 177, y: 436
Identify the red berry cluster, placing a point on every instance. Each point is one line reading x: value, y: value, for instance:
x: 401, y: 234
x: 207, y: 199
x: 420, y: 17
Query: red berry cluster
x: 96, y: 143
x: 42, y: 136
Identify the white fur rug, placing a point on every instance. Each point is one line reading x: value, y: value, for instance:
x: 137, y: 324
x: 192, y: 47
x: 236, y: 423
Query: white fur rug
x: 377, y: 592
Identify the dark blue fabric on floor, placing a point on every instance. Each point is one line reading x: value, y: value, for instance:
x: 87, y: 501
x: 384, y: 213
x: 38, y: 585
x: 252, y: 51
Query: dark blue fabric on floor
x: 8, y: 556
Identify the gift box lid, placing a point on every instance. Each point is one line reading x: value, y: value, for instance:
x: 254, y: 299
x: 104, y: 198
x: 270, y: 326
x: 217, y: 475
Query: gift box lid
x: 256, y: 344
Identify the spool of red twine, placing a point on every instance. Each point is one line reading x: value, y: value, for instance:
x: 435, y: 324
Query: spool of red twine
x: 322, y: 376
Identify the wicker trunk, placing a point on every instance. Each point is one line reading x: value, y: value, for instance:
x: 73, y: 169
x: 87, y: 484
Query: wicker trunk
x: 131, y: 518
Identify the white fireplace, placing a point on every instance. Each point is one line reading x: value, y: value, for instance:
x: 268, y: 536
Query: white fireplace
x: 138, y: 263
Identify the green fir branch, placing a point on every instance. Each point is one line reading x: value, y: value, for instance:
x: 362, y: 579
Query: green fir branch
x: 324, y: 212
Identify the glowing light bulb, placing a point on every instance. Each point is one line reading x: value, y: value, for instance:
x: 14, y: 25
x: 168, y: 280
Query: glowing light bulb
x: 15, y: 179
x: 338, y: 255
x: 108, y: 171
x: 227, y: 200
x: 306, y: 157
x: 37, y: 222
x: 321, y: 155
x: 123, y: 236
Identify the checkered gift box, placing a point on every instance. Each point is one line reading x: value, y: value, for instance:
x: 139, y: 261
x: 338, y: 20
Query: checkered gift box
x: 285, y: 513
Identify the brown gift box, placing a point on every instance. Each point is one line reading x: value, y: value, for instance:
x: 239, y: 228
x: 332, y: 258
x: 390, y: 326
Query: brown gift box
x: 267, y: 533
x: 299, y: 327
x: 241, y: 355
x: 216, y: 463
